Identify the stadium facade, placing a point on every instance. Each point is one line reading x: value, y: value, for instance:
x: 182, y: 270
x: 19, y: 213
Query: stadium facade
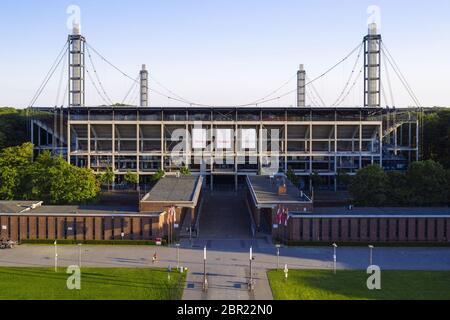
x: 229, y: 143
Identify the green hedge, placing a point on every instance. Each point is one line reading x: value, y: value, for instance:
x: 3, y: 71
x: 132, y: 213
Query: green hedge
x: 95, y: 242
x: 362, y: 244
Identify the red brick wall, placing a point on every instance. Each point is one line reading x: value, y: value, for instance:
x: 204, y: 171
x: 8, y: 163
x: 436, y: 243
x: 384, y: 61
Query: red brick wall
x: 117, y: 221
x: 440, y: 230
x: 335, y: 229
x: 136, y: 229
x: 89, y: 228
x: 98, y: 228
x: 363, y: 229
x: 402, y: 229
x: 373, y: 229
x: 70, y: 232
x: 316, y: 229
x: 127, y: 228
x: 448, y: 230
x: 325, y: 229
x: 60, y: 225
x: 51, y: 228
x: 14, y: 228
x: 354, y: 229
x: 79, y: 228
x: 4, y: 222
x: 32, y: 228
x: 146, y: 227
x: 23, y: 221
x: 108, y: 223
x: 431, y: 228
x: 383, y: 229
x: 344, y: 229
x: 392, y: 229
x: 411, y: 229
x: 42, y: 232
x: 306, y: 229
x: 421, y: 230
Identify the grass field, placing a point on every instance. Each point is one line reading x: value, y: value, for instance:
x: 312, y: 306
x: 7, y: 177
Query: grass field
x: 96, y: 284
x: 351, y: 285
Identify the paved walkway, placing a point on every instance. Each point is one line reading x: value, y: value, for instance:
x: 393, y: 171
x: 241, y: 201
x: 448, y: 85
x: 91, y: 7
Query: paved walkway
x: 228, y: 262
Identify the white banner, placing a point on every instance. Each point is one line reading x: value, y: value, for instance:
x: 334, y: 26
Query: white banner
x: 224, y: 138
x: 248, y: 137
x: 198, y: 138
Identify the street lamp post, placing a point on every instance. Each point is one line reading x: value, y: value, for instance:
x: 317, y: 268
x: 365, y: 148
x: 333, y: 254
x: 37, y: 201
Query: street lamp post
x: 278, y: 256
x: 79, y: 255
x: 56, y: 256
x: 334, y: 257
x: 370, y: 254
x: 251, y: 270
x: 178, y: 255
x: 205, y: 281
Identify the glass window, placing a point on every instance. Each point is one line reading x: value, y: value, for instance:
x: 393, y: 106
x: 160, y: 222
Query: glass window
x: 273, y: 115
x: 150, y: 115
x: 249, y: 115
x: 78, y: 114
x: 101, y: 114
x: 323, y: 115
x: 298, y: 114
x: 348, y: 115
x: 125, y: 115
x: 224, y: 115
x: 174, y: 115
x: 199, y: 115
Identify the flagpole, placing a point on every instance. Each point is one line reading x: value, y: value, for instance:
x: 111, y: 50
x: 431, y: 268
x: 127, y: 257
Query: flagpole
x: 56, y: 256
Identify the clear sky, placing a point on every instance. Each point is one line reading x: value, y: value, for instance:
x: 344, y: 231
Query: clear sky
x: 224, y: 52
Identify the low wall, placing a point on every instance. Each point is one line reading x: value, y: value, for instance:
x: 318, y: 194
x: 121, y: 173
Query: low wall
x: 355, y: 229
x: 76, y: 227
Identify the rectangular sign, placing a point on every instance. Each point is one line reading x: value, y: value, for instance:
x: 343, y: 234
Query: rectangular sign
x: 198, y: 138
x: 224, y: 138
x: 4, y: 227
x: 248, y: 137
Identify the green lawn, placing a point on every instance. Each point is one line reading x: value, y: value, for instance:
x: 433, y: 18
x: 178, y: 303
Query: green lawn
x: 96, y: 283
x: 351, y: 285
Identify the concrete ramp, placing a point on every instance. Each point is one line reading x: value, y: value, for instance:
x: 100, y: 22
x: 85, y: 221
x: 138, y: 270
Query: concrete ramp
x: 224, y: 216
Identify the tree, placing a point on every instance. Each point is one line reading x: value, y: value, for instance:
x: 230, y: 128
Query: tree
x: 13, y: 127
x: 343, y: 178
x: 316, y: 179
x: 185, y: 171
x: 398, y: 192
x: 107, y: 177
x: 427, y: 183
x: 58, y: 182
x: 14, y: 164
x: 158, y: 175
x: 436, y: 136
x: 368, y: 187
x: 290, y: 174
x: 131, y: 178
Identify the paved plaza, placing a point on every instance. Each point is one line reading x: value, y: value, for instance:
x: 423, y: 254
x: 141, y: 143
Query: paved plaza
x: 227, y: 262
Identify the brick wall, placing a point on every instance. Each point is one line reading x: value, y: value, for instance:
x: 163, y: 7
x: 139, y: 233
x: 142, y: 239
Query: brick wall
x: 366, y: 229
x: 83, y: 228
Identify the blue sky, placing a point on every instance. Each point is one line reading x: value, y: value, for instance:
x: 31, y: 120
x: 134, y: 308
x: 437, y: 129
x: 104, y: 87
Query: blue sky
x: 224, y: 52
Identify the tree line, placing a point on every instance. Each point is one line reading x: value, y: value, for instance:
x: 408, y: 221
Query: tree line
x: 48, y: 178
x: 425, y: 183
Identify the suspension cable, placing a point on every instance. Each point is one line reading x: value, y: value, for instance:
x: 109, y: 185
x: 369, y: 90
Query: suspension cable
x: 349, y: 77
x: 49, y: 74
x: 133, y: 86
x: 399, y: 74
x: 261, y: 101
x: 97, y: 76
x: 60, y: 81
x: 96, y: 88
